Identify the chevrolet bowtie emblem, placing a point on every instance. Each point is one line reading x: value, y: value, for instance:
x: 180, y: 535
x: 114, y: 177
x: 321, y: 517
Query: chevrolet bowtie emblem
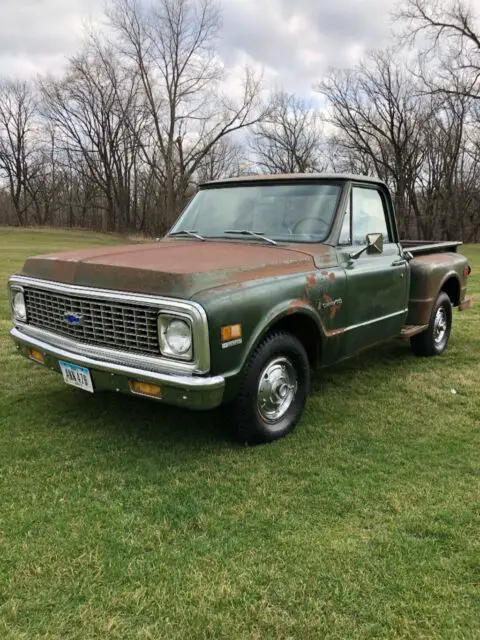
x: 73, y: 319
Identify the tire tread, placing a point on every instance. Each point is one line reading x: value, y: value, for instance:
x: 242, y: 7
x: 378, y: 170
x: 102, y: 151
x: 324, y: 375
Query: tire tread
x: 246, y: 430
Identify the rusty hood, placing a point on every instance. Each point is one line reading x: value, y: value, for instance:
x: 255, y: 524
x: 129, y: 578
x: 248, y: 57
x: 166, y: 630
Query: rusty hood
x: 179, y: 268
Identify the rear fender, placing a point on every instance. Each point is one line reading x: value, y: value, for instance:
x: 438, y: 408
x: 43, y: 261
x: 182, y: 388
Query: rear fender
x: 429, y: 274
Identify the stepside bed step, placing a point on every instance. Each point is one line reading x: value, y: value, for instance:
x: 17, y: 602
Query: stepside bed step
x: 410, y: 330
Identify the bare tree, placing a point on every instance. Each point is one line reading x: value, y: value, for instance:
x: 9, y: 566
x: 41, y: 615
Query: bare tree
x: 447, y: 36
x: 171, y: 46
x: 224, y: 160
x: 423, y: 143
x: 343, y: 157
x: 437, y: 182
x: 379, y: 116
x: 43, y: 182
x: 289, y: 138
x: 447, y: 191
x: 17, y: 151
x: 96, y: 112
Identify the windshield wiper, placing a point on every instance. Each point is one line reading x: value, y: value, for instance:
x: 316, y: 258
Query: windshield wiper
x: 187, y: 232
x: 253, y: 234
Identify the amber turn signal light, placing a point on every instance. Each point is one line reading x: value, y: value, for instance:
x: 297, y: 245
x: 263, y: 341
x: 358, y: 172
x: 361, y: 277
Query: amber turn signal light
x: 231, y: 332
x: 145, y: 388
x: 38, y: 356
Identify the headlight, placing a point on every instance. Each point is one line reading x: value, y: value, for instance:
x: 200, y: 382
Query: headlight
x: 178, y: 336
x: 18, y: 306
x: 175, y: 337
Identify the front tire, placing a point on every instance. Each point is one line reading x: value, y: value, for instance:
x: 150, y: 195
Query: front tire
x: 433, y: 341
x: 273, y: 391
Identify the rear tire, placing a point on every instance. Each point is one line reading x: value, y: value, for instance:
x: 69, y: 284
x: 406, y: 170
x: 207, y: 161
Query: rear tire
x: 433, y: 341
x: 273, y: 391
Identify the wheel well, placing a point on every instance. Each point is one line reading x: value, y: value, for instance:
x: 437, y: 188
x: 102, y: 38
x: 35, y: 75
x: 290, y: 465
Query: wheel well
x: 306, y: 331
x: 452, y: 289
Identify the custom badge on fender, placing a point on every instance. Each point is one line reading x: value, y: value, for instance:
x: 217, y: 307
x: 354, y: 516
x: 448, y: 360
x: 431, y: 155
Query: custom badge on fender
x: 329, y: 304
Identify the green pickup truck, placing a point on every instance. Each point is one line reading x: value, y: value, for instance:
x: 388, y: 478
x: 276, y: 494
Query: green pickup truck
x: 260, y: 281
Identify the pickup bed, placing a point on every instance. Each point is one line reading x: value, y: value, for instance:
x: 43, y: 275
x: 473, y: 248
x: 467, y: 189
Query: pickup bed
x: 260, y: 281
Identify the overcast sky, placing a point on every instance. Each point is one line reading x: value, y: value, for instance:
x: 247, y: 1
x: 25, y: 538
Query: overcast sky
x: 294, y: 41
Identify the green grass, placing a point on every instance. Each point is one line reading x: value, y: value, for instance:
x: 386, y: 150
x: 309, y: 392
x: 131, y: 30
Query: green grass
x: 120, y: 518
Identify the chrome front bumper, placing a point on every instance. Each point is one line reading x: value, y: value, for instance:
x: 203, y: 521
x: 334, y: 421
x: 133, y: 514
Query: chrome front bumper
x: 193, y: 392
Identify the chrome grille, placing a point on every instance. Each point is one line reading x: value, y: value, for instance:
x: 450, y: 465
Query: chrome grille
x: 107, y: 324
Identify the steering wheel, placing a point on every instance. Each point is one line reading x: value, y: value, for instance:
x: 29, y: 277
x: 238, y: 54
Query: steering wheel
x: 319, y: 221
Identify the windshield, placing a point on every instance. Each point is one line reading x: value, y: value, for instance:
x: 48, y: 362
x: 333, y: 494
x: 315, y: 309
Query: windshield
x: 293, y: 212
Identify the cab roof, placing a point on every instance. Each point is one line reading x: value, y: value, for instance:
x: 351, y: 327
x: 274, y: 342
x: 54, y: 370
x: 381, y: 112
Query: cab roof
x: 293, y: 177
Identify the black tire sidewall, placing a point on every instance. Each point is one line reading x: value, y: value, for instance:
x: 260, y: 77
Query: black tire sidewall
x: 442, y: 301
x: 423, y: 344
x: 251, y: 427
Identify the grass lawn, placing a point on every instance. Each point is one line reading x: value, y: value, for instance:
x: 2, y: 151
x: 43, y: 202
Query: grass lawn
x: 120, y: 518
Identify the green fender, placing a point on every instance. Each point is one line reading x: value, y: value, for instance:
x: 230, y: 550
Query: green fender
x: 285, y: 309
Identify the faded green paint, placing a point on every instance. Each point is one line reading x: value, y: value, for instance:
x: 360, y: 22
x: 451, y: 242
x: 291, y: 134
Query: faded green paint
x: 350, y: 304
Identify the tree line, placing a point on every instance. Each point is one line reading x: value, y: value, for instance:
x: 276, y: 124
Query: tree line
x: 142, y: 114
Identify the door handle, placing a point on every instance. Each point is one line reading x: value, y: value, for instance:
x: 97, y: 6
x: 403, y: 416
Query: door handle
x: 399, y: 263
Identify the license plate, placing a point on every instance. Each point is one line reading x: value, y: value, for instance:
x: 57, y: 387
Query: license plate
x: 76, y: 376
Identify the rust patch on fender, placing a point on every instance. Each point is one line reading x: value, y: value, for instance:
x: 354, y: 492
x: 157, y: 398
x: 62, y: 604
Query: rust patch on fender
x: 299, y: 303
x: 296, y: 304
x: 309, y: 285
x: 331, y: 333
x: 311, y: 282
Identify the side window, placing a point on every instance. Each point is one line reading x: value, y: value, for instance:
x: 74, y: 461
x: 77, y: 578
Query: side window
x: 346, y: 232
x: 368, y: 214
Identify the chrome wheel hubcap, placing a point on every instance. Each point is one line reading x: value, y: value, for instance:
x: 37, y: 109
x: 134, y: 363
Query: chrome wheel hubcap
x: 440, y: 326
x: 277, y: 388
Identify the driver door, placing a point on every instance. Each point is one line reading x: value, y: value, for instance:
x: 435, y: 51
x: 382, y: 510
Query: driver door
x: 377, y: 283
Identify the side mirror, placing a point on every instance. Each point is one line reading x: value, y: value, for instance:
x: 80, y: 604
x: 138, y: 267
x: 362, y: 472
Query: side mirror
x: 374, y: 245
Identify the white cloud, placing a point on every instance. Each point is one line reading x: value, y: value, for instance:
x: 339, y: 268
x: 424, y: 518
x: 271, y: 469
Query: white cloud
x: 301, y: 39
x: 293, y: 42
x: 37, y: 35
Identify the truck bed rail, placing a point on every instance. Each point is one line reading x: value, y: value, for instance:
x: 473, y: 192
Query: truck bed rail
x: 417, y: 247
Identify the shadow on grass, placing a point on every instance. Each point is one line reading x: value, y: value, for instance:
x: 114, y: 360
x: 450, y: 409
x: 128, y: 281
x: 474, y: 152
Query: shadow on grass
x: 147, y: 421
x: 144, y: 420
x: 379, y: 362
